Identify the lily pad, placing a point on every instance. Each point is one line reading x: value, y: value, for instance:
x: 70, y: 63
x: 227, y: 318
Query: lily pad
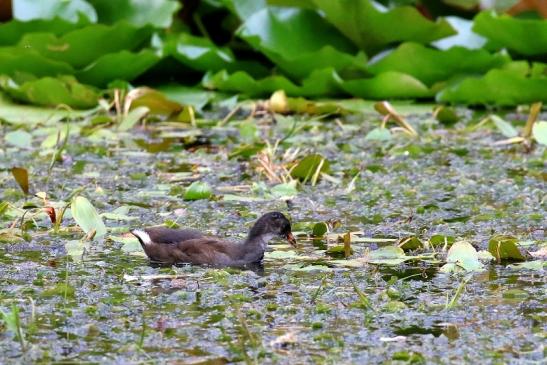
x: 506, y: 248
x: 504, y: 127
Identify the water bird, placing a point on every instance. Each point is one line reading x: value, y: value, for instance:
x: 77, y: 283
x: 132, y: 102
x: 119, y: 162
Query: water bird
x: 173, y: 246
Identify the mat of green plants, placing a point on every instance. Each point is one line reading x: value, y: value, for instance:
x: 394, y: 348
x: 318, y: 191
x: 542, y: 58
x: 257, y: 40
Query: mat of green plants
x: 421, y: 235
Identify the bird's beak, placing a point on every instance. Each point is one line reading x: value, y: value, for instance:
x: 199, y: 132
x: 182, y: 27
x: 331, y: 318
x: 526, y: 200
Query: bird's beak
x: 291, y: 239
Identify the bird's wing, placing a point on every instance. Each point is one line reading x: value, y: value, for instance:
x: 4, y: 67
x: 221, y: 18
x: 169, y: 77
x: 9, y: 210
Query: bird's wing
x: 170, y: 236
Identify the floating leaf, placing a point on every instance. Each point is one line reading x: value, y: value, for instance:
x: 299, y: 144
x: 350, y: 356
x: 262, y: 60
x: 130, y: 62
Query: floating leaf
x: 86, y: 216
x: 388, y: 255
x: 441, y: 240
x: 309, y: 166
x: 19, y: 138
x: 529, y: 265
x: 320, y: 229
x: 133, y: 117
x: 410, y: 243
x: 504, y: 127
x: 153, y: 100
x: 371, y: 26
x: 198, y: 190
x: 284, y: 191
x: 75, y: 249
x: 539, y: 132
x: 21, y: 176
x: 506, y: 248
x: 446, y: 115
x: 378, y: 134
x: 462, y: 256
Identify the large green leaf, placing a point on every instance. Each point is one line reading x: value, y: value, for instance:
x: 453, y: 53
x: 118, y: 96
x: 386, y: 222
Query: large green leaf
x: 499, y: 87
x: 70, y: 10
x: 525, y: 36
x: 123, y: 65
x: 14, y: 60
x: 319, y: 83
x: 244, y: 8
x: 51, y: 91
x: 12, y: 31
x: 371, y: 26
x: 86, y: 216
x: 429, y: 65
x: 387, y: 85
x: 158, y: 13
x: 83, y: 46
x: 199, y: 53
x: 298, y: 41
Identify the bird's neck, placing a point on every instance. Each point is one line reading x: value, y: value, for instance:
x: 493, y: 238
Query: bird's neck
x: 259, y: 241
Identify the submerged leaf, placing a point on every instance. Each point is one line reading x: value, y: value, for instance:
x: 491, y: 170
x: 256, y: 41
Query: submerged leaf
x: 86, y: 216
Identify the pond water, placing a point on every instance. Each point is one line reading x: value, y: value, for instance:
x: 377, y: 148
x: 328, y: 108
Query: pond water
x: 110, y: 305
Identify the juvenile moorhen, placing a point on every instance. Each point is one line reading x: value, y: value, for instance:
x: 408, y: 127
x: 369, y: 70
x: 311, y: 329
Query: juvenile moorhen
x: 172, y: 246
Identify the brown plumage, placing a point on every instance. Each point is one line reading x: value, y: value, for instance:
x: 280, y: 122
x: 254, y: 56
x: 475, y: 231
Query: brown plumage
x: 173, y: 246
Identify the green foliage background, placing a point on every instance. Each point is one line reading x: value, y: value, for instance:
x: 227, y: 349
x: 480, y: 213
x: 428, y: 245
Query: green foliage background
x: 72, y: 52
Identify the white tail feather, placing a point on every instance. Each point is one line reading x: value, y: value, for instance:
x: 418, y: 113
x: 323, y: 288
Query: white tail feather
x: 142, y: 236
